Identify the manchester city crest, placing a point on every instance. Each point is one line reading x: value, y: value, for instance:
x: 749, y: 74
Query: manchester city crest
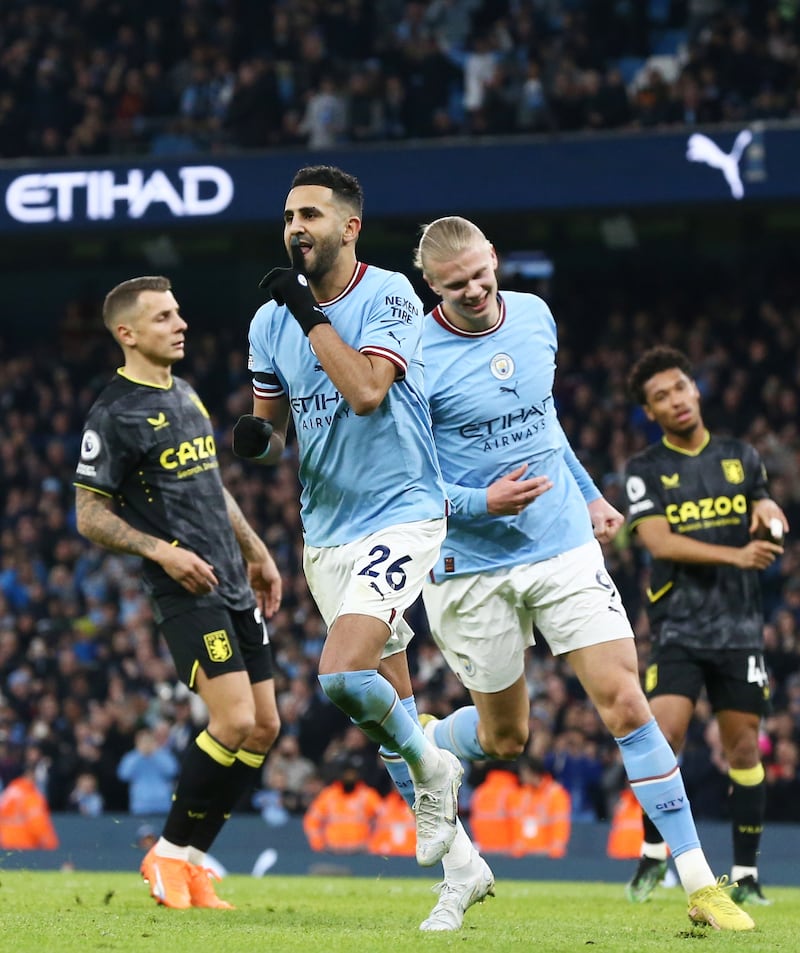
x: 501, y: 366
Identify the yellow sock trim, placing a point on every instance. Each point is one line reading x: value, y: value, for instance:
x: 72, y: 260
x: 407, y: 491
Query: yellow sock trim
x: 251, y: 758
x: 747, y: 777
x: 215, y: 750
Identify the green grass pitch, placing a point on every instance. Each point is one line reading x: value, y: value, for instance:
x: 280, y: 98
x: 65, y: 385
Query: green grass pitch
x: 74, y: 912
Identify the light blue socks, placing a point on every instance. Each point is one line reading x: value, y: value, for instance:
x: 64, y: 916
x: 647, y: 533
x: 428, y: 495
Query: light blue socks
x: 459, y: 733
x: 658, y: 785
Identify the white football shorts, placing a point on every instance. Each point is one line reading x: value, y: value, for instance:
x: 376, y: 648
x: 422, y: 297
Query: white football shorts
x: 379, y: 575
x: 484, y: 622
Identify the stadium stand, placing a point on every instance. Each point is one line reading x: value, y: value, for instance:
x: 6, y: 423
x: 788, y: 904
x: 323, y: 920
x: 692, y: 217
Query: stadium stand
x: 85, y: 78
x: 80, y: 669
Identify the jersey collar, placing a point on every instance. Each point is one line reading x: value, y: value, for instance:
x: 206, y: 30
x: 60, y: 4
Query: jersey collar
x: 688, y: 453
x: 134, y: 380
x: 441, y: 318
x: 358, y: 273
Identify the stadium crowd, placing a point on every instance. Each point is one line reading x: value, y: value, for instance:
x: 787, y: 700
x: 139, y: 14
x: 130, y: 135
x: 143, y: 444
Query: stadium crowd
x: 98, y: 77
x: 85, y: 683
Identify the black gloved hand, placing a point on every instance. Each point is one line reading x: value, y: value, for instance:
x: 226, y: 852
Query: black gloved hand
x: 251, y: 437
x: 289, y: 286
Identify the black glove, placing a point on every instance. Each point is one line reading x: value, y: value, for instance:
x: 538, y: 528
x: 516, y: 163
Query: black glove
x: 251, y: 437
x: 289, y: 286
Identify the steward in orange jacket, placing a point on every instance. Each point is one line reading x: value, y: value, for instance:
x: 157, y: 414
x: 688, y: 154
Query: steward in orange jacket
x: 627, y: 828
x: 395, y: 830
x: 540, y: 812
x: 489, y: 815
x: 341, y: 817
x: 25, y: 822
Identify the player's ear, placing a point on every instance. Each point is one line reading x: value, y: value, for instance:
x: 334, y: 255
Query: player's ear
x: 352, y: 229
x: 125, y: 334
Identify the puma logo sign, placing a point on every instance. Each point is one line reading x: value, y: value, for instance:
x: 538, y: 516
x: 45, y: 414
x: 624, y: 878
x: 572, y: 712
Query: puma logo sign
x: 702, y: 149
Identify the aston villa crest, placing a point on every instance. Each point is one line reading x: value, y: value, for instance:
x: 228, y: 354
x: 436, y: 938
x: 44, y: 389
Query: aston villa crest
x: 733, y: 471
x: 218, y: 645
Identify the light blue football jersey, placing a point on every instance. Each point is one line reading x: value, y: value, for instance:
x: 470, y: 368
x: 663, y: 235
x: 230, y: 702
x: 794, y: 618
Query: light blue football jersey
x: 358, y: 474
x: 491, y: 401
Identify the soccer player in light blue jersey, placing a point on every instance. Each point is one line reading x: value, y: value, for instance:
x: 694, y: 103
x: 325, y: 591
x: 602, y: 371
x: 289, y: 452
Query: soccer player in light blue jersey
x: 338, y: 349
x: 522, y: 546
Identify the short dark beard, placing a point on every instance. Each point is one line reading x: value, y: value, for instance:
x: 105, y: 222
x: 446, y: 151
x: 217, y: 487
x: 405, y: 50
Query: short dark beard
x: 326, y: 251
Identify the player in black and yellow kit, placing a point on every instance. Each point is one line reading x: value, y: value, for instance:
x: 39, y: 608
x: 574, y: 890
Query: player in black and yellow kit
x: 700, y: 506
x: 148, y: 483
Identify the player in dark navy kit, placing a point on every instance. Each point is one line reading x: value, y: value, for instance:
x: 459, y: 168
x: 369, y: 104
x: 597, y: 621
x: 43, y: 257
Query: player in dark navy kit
x: 700, y: 506
x: 148, y: 483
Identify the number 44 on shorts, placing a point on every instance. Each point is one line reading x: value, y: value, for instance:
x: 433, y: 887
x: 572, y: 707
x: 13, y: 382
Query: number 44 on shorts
x: 756, y: 671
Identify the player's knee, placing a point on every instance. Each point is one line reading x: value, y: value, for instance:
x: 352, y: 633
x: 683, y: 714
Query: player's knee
x: 236, y: 725
x: 264, y: 733
x: 351, y: 692
x: 626, y: 711
x: 507, y: 745
x: 335, y: 686
x: 743, y: 754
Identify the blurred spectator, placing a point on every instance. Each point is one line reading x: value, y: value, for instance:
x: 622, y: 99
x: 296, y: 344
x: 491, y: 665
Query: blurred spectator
x: 364, y: 108
x: 254, y: 115
x: 352, y: 748
x: 182, y: 728
x: 480, y: 70
x: 575, y: 764
x: 490, y: 815
x: 25, y: 821
x: 627, y: 828
x: 704, y: 768
x: 533, y: 114
x: 607, y: 104
x: 85, y: 797
x: 150, y: 770
x: 342, y: 816
x: 270, y: 801
x: 651, y: 100
x: 397, y: 118
x: 324, y: 121
x: 783, y: 783
x: 540, y: 812
x: 394, y: 832
x: 287, y: 771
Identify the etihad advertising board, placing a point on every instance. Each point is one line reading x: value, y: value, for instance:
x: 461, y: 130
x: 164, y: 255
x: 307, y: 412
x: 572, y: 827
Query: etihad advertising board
x: 755, y: 163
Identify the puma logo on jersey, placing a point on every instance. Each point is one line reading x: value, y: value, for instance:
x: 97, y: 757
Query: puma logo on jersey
x: 670, y: 482
x: 157, y: 423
